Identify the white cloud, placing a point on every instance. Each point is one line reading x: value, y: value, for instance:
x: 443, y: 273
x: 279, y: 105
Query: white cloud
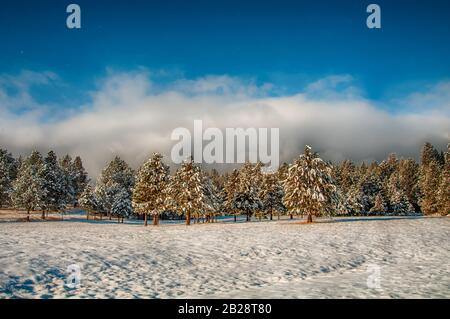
x: 127, y: 116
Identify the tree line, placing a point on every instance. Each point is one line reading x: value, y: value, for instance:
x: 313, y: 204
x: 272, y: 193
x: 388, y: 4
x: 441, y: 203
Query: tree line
x: 309, y: 186
x: 40, y: 183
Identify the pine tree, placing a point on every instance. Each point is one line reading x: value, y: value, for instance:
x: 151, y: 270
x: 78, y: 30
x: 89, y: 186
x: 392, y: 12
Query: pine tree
x: 217, y: 179
x: 213, y: 199
x: 122, y: 207
x: 380, y: 207
x: 54, y: 185
x: 149, y: 193
x: 444, y: 187
x: 308, y: 185
x: 429, y: 180
x: 370, y: 185
x: 114, y: 178
x: 408, y: 174
x: 429, y: 184
x: 341, y: 205
x: 247, y: 199
x: 8, y: 172
x: 28, y: 189
x: 429, y: 154
x: 272, y: 195
x: 88, y: 200
x: 186, y: 190
x: 283, y: 172
x: 345, y: 176
x: 230, y: 190
x: 399, y: 203
x: 66, y: 165
x: 80, y: 177
x: 388, y: 167
x: 353, y: 201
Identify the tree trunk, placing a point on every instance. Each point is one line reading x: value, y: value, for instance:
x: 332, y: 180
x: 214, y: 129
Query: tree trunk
x: 43, y: 214
x: 155, y: 220
x: 28, y: 215
x: 248, y: 218
x: 145, y: 219
x: 188, y: 218
x: 278, y: 216
x: 235, y: 218
x: 271, y: 215
x: 309, y: 218
x: 291, y: 216
x: 87, y: 215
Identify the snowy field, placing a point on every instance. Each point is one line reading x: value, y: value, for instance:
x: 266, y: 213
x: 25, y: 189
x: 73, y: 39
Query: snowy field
x: 279, y: 259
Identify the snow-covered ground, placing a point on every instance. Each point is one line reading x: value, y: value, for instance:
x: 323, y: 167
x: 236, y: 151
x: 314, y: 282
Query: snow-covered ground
x: 279, y: 259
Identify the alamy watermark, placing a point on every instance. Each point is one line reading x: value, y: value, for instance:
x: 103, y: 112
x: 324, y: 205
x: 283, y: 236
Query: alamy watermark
x: 73, y: 279
x: 233, y: 145
x: 374, y: 19
x: 73, y: 20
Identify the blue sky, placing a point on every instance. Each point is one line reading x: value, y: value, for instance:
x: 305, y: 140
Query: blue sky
x: 138, y: 69
x: 289, y: 43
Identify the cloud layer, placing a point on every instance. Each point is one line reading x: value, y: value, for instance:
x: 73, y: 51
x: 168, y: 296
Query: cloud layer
x: 130, y: 115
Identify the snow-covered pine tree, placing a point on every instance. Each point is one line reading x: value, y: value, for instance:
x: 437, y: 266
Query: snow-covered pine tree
x: 444, y: 187
x: 246, y: 199
x: 230, y: 190
x: 149, y: 193
x: 5, y: 183
x: 429, y: 154
x: 28, y: 189
x: 308, y: 185
x: 54, y: 185
x: 408, y: 173
x: 213, y: 198
x: 429, y: 180
x: 380, y: 207
x: 80, y: 177
x: 283, y: 172
x: 387, y: 168
x: 8, y: 173
x: 398, y: 201
x: 217, y: 179
x: 218, y: 182
x: 352, y: 201
x: 346, y: 176
x: 272, y: 195
x: 66, y: 165
x: 369, y: 186
x: 88, y: 200
x: 341, y: 204
x: 170, y: 204
x: 122, y: 207
x: 105, y: 194
x: 114, y: 178
x: 335, y: 201
x: 400, y: 204
x: 186, y: 190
